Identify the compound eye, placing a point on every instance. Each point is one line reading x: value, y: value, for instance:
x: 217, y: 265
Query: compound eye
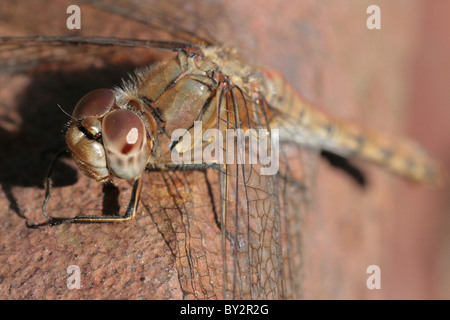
x: 95, y: 104
x: 125, y: 142
x: 123, y: 131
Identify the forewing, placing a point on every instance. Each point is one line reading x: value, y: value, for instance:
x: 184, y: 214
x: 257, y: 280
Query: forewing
x: 250, y: 220
x: 183, y: 20
x: 181, y: 206
x: 174, y: 24
x: 22, y: 53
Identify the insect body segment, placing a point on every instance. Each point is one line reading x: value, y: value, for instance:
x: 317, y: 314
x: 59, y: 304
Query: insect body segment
x: 304, y: 124
x: 176, y: 93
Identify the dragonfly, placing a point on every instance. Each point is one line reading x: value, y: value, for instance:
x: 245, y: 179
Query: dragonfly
x: 126, y: 131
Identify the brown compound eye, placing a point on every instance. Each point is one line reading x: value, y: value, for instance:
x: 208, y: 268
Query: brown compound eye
x: 83, y: 136
x: 96, y: 103
x: 125, y: 141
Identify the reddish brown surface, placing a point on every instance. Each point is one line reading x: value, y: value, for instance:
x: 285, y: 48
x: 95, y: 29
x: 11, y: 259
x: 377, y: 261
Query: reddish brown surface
x: 394, y: 79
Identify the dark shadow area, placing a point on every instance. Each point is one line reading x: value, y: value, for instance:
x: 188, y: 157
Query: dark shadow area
x: 111, y: 206
x: 343, y: 164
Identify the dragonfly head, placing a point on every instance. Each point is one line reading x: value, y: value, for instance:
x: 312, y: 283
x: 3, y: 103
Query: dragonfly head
x: 106, y: 140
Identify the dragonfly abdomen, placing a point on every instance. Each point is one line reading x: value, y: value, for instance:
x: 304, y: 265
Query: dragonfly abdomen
x: 302, y: 123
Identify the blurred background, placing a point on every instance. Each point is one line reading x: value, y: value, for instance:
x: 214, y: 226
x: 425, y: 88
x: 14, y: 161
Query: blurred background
x: 394, y: 79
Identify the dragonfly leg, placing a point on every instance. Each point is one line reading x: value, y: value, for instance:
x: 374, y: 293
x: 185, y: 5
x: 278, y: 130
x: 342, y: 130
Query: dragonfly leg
x: 48, y: 181
x: 129, y: 214
x: 184, y: 167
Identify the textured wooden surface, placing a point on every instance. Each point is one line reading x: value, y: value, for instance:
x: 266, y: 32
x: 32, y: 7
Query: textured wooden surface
x: 393, y: 79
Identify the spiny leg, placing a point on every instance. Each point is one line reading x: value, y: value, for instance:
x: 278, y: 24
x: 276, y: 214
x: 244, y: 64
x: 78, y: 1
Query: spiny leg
x: 48, y: 182
x: 129, y: 214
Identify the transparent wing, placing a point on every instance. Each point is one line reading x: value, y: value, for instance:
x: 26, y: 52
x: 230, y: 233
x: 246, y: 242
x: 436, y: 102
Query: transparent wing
x: 174, y: 23
x: 181, y: 19
x: 297, y: 171
x: 250, y: 220
x: 179, y: 203
x: 16, y: 51
x: 263, y: 203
